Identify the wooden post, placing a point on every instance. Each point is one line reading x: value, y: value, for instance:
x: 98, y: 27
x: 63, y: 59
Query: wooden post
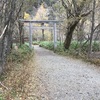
x: 30, y: 35
x: 55, y: 37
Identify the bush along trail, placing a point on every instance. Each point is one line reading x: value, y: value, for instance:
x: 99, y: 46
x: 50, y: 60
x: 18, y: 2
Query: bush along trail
x: 16, y: 78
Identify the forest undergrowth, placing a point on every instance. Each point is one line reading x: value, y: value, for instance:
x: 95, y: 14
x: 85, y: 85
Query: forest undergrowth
x: 14, y: 81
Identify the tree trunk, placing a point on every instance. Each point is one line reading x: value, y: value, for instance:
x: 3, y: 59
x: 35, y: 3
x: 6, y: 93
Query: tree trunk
x: 4, y: 53
x: 42, y: 32
x: 23, y: 37
x: 21, y: 33
x: 69, y: 34
x: 92, y: 28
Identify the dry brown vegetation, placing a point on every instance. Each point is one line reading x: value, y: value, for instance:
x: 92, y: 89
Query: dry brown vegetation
x: 16, y: 79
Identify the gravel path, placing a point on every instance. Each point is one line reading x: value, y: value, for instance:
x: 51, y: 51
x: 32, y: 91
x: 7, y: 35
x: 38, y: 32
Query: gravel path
x: 64, y: 78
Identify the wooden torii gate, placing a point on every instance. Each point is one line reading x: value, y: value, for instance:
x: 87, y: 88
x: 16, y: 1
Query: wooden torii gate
x: 42, y: 27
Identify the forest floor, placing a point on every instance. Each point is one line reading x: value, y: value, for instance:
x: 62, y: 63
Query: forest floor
x: 62, y: 78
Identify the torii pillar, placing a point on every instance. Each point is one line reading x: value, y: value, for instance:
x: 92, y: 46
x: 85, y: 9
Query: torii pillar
x: 30, y: 35
x: 55, y: 36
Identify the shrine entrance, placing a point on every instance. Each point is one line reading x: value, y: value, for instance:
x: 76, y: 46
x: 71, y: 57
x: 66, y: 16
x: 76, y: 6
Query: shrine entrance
x: 54, y: 28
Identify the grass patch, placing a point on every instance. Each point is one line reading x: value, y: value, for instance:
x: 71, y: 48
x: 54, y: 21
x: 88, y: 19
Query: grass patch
x: 17, y: 74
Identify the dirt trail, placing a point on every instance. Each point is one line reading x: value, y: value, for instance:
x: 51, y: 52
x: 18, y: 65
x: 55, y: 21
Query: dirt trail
x: 63, y: 78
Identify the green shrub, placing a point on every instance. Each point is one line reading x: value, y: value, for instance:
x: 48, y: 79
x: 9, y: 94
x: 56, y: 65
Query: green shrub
x: 74, y: 47
x: 47, y: 44
x: 20, y: 54
x: 36, y: 42
x: 96, y: 46
x: 1, y: 97
x: 26, y: 43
